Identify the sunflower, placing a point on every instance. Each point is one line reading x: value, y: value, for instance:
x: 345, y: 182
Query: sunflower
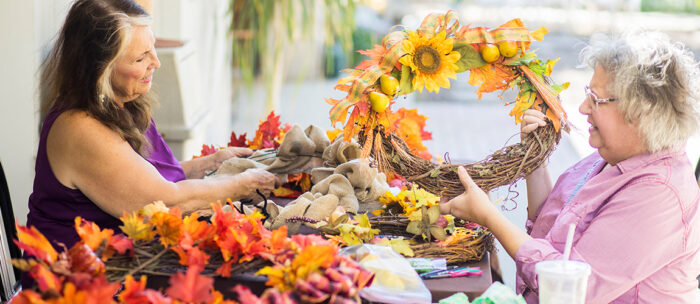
x: 432, y: 61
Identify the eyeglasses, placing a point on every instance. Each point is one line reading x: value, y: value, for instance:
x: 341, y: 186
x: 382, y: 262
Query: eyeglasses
x: 595, y: 99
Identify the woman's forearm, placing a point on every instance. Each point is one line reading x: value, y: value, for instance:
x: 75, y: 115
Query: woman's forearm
x: 509, y: 235
x: 539, y: 185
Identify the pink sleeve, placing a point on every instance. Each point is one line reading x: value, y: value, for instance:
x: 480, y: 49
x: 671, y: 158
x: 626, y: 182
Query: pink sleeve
x: 639, y: 231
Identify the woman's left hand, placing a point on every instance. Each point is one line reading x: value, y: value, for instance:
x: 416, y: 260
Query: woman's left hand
x: 222, y: 155
x: 472, y: 205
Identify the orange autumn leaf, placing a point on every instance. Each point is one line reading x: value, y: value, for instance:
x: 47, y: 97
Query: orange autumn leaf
x: 169, y: 227
x: 72, y: 295
x: 410, y: 126
x: 35, y: 244
x: 191, y: 286
x: 136, y: 228
x: 46, y: 279
x: 91, y: 234
x: 225, y: 269
x: 375, y: 57
x: 279, y: 240
x: 83, y: 259
x: 27, y: 296
x: 133, y: 290
x: 197, y: 230
x: 100, y: 291
x: 490, y: 78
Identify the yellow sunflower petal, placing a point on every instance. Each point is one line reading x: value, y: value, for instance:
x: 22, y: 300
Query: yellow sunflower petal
x: 407, y: 46
x: 408, y: 60
x: 445, y: 47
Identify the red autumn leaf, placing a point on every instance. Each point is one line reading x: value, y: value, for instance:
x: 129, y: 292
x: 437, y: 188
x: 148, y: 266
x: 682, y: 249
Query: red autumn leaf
x: 121, y: 243
x: 245, y: 295
x: 196, y: 257
x: 207, y: 150
x: 270, y: 128
x: 238, y: 141
x: 101, y: 291
x: 135, y: 292
x: 91, y: 234
x: 35, y: 244
x: 191, y: 286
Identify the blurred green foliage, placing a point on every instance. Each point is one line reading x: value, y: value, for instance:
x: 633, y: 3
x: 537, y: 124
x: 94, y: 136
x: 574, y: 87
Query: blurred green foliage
x: 671, y: 6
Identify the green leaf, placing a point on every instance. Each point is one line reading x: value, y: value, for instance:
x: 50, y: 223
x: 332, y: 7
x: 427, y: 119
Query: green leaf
x: 469, y: 58
x: 406, y: 82
x: 520, y: 60
x: 435, y: 172
x: 560, y: 87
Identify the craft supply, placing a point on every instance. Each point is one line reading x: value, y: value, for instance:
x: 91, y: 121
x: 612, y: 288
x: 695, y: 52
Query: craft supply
x: 440, y: 271
x: 466, y: 271
x: 422, y: 265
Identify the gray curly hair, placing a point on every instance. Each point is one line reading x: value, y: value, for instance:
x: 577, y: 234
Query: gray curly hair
x: 656, y: 82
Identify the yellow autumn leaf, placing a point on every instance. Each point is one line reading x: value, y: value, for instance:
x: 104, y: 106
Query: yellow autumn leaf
x: 135, y: 227
x: 333, y: 134
x: 550, y: 66
x: 539, y: 33
x: 399, y: 245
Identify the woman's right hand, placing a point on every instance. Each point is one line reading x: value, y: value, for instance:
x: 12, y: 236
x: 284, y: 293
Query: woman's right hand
x: 256, y: 179
x: 532, y: 119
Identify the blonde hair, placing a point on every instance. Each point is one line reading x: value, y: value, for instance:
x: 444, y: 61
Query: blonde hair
x: 77, y: 73
x: 656, y: 83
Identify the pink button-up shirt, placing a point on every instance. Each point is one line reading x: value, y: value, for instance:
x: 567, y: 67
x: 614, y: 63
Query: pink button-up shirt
x: 637, y: 225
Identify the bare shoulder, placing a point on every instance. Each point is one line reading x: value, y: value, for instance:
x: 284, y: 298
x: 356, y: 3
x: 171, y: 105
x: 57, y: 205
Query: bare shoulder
x: 77, y: 143
x: 79, y: 128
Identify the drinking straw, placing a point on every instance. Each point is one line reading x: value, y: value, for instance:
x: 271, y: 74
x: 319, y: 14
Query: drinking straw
x: 569, y: 241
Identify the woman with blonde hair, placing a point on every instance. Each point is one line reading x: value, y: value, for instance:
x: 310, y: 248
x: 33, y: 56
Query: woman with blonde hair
x: 100, y: 154
x: 635, y: 200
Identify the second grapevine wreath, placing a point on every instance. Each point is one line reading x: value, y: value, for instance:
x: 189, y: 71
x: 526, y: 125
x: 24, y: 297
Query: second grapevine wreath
x: 497, y: 59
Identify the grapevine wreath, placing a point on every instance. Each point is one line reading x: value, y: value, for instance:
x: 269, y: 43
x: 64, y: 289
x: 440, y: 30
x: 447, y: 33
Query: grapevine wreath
x: 496, y: 59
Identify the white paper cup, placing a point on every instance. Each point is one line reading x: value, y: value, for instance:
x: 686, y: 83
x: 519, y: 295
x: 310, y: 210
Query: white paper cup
x: 562, y: 281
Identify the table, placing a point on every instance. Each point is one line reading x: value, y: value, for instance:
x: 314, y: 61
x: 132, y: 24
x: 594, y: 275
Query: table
x: 473, y: 286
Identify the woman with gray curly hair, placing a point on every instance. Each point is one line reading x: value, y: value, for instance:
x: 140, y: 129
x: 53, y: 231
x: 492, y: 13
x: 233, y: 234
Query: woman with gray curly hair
x: 635, y: 200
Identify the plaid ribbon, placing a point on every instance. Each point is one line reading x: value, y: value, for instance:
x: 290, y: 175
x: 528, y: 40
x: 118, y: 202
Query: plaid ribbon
x: 368, y: 77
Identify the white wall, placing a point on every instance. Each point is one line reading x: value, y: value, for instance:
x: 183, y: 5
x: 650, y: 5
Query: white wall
x: 26, y: 28
x: 204, y: 24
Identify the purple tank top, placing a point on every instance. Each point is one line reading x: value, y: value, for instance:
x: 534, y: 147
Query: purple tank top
x: 53, y: 206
